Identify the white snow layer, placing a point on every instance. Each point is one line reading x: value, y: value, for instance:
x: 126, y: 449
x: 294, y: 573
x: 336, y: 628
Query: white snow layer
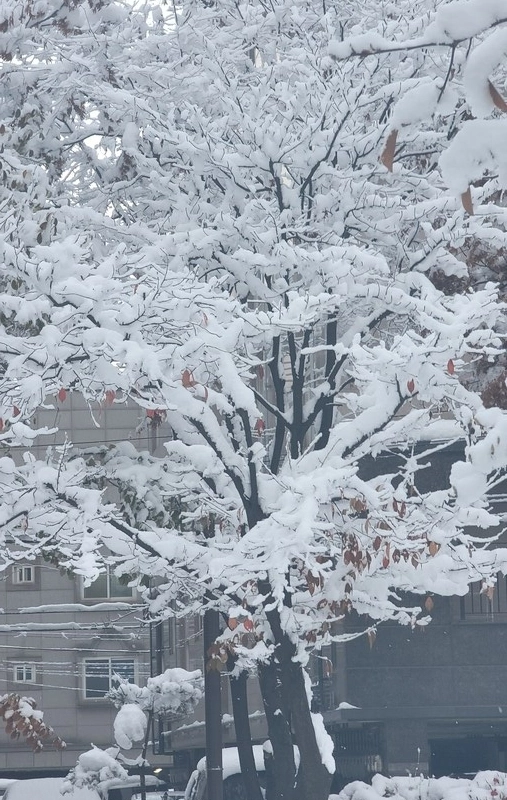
x: 477, y: 147
x: 484, y: 786
x: 129, y: 725
x: 46, y: 788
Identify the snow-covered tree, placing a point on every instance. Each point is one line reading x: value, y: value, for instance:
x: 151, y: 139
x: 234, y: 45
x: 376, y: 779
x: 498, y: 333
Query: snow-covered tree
x: 206, y: 212
x: 176, y: 692
x: 24, y: 720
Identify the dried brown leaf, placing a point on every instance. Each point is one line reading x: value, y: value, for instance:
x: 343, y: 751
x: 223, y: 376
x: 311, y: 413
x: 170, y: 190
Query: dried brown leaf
x: 497, y: 97
x: 466, y: 199
x: 387, y: 156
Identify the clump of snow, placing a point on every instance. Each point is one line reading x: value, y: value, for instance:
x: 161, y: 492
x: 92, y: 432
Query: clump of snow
x: 230, y: 761
x: 464, y: 19
x: 129, y: 725
x: 174, y: 691
x: 324, y: 743
x: 362, y: 43
x: 479, y: 67
x: 93, y: 768
x: 416, y: 105
x: 477, y: 147
x: 486, y: 785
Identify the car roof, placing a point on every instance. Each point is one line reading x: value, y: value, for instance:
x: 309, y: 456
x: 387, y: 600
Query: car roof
x: 230, y: 761
x: 48, y: 788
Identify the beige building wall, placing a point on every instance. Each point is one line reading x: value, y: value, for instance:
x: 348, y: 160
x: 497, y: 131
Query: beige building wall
x: 48, y: 654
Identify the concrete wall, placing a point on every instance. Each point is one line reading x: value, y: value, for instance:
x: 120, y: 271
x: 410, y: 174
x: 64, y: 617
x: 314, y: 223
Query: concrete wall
x: 431, y: 685
x: 57, y: 652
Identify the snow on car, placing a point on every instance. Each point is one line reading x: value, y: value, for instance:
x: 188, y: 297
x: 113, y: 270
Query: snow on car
x: 46, y: 788
x: 231, y: 775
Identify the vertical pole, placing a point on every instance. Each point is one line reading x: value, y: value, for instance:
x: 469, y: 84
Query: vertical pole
x: 320, y: 670
x: 213, y: 708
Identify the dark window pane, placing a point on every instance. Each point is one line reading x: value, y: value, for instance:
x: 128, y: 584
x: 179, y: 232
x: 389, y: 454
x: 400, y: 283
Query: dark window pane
x: 97, y: 589
x: 97, y: 678
x: 117, y: 589
x: 124, y: 668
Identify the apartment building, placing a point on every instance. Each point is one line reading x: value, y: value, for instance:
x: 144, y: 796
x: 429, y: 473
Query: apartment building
x: 63, y: 643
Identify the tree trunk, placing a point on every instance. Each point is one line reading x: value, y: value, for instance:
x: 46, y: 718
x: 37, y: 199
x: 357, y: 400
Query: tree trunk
x: 281, y: 768
x: 314, y: 780
x: 213, y: 709
x: 243, y: 735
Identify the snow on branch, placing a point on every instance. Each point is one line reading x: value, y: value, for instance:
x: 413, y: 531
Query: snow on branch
x: 23, y: 719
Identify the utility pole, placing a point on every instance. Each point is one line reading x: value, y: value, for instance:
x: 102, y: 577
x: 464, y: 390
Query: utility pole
x: 212, y: 708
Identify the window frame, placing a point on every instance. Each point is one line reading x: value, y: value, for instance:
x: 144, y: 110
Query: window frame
x: 18, y: 580
x: 110, y: 659
x: 477, y: 607
x: 24, y: 665
x: 103, y: 597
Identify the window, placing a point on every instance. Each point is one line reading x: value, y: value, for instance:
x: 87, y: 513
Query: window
x: 108, y: 586
x: 24, y: 673
x: 483, y: 603
x: 23, y: 574
x: 100, y: 673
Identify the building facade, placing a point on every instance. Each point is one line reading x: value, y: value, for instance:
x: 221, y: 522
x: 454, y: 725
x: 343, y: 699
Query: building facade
x: 63, y: 643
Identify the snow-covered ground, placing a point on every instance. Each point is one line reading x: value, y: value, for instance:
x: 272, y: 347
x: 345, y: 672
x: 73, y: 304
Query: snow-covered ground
x: 488, y: 785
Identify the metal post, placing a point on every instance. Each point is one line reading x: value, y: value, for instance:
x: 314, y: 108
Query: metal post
x: 213, y: 709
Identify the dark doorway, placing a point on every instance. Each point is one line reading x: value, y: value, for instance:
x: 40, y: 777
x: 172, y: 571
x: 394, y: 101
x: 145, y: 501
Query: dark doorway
x: 463, y: 756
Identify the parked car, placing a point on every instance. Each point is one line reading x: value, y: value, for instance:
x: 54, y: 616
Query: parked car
x: 231, y: 774
x: 4, y: 783
x: 129, y: 789
x: 46, y: 788
x: 168, y: 794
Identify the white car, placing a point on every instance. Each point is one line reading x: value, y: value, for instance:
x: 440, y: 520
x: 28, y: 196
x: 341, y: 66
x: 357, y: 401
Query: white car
x: 168, y: 794
x: 231, y: 774
x: 4, y: 784
x: 47, y: 788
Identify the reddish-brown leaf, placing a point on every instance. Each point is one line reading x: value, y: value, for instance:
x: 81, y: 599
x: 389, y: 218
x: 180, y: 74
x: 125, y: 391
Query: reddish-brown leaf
x: 387, y: 156
x: 497, y: 97
x: 259, y: 426
x: 187, y: 379
x: 429, y: 604
x: 433, y: 547
x: 411, y: 385
x: 489, y: 591
x: 62, y: 395
x: 450, y: 367
x: 466, y: 199
x: 109, y: 397
x: 372, y: 635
